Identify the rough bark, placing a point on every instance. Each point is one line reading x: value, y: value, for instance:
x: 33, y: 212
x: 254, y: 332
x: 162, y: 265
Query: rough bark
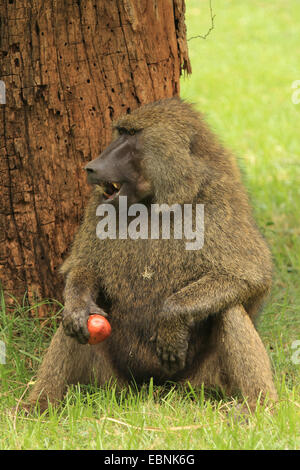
x: 69, y: 68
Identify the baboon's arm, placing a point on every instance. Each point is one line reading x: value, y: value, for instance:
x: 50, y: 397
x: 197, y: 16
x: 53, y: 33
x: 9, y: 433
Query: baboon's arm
x: 211, y: 294
x: 80, y: 301
x: 82, y: 283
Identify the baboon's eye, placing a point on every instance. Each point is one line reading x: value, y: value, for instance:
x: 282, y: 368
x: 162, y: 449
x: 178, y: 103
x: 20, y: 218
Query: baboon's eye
x: 123, y: 130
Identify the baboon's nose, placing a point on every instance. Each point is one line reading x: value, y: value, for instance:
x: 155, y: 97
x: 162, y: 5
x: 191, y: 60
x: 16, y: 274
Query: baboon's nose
x: 89, y: 168
x: 92, y: 173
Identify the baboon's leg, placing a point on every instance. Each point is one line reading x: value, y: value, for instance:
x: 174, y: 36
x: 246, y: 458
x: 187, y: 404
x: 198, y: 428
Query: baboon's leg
x: 68, y: 362
x: 243, y: 357
x: 62, y: 365
x: 238, y: 361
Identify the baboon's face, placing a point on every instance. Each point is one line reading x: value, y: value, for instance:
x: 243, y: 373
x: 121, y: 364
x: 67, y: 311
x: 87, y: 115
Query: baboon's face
x: 118, y: 169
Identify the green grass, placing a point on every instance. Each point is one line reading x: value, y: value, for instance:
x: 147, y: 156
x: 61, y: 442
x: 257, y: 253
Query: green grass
x: 242, y: 77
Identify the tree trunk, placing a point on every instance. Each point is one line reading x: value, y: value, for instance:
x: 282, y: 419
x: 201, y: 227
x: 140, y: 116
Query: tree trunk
x: 69, y: 68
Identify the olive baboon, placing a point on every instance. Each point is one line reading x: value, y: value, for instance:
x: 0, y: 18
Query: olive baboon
x: 176, y: 314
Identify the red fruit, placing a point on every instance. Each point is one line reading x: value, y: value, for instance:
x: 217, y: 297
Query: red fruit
x: 99, y: 328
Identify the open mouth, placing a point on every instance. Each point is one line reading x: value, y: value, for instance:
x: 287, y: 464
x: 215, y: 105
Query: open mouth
x: 111, y: 190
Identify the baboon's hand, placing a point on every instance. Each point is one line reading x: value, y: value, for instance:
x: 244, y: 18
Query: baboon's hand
x: 75, y: 317
x: 172, y: 340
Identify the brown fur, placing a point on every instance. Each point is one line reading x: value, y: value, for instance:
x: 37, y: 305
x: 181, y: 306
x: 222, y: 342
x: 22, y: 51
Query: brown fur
x: 163, y: 301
